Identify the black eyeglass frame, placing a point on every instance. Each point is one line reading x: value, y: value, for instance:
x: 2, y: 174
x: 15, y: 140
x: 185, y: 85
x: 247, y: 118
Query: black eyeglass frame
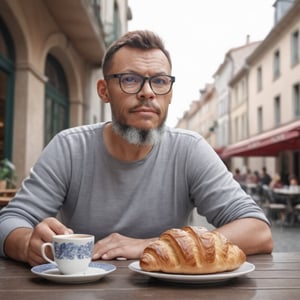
x: 144, y: 79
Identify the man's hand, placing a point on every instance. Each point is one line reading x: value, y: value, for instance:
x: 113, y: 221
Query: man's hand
x: 116, y: 245
x: 24, y: 244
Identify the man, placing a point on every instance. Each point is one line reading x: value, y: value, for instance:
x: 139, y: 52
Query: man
x: 128, y: 180
x: 265, y: 177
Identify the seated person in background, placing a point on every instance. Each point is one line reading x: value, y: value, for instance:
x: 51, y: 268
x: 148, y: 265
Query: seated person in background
x: 276, y: 182
x: 256, y: 176
x: 251, y: 177
x: 293, y: 180
x: 238, y: 176
x: 294, y: 185
x: 128, y: 180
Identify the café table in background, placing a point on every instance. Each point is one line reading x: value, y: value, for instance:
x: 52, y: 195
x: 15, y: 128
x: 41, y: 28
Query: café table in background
x: 291, y: 195
x: 276, y: 276
x: 251, y: 187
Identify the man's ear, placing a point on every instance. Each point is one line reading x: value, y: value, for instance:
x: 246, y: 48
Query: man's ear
x: 102, y: 90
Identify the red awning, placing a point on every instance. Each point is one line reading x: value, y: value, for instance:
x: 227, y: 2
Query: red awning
x: 268, y: 143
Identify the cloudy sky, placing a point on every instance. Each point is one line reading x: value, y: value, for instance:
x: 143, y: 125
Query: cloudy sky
x: 198, y: 33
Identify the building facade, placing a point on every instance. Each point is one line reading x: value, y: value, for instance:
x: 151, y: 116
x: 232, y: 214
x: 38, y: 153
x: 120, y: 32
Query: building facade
x: 201, y: 117
x: 233, y: 62
x: 258, y: 105
x: 272, y: 74
x: 50, y: 61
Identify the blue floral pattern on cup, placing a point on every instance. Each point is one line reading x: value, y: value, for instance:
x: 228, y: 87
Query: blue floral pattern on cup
x: 71, y: 251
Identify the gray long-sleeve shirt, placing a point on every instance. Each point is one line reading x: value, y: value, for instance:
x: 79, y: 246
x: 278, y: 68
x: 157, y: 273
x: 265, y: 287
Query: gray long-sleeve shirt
x: 95, y: 193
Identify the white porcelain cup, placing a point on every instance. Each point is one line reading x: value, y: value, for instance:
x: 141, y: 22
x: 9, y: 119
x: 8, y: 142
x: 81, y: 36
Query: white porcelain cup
x: 72, y: 252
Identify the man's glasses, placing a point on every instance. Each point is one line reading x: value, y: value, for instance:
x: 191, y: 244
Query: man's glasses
x: 132, y: 83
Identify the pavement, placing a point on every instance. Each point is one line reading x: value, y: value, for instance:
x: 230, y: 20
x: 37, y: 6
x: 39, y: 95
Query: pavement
x: 286, y: 238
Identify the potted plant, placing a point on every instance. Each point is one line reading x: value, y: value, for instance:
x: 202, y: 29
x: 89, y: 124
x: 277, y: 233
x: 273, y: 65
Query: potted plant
x: 7, y: 174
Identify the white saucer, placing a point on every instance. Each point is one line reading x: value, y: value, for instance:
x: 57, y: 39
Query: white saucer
x: 95, y: 271
x: 245, y: 268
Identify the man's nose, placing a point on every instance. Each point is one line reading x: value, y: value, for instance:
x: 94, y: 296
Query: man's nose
x: 146, y: 89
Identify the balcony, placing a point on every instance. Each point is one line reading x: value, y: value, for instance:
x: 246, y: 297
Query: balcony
x: 80, y: 21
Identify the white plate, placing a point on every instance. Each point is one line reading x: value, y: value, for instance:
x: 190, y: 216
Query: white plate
x: 95, y: 272
x: 245, y: 268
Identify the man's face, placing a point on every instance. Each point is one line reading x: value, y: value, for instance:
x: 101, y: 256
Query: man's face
x: 144, y: 110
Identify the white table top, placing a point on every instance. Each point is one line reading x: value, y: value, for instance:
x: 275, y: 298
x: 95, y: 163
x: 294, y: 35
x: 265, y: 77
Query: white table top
x: 288, y: 191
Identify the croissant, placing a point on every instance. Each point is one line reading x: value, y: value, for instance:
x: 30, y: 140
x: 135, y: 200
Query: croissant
x: 191, y: 250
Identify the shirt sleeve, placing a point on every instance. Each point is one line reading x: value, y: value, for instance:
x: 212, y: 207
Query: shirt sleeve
x: 215, y: 193
x: 42, y: 192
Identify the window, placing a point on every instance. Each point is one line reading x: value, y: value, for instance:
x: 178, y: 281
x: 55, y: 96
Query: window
x: 117, y: 21
x: 295, y: 48
x: 236, y: 125
x: 244, y: 126
x: 259, y: 119
x: 296, y: 99
x: 7, y: 58
x: 236, y: 96
x: 113, y: 27
x: 276, y: 64
x: 259, y: 79
x: 56, y: 100
x: 277, y: 109
x: 244, y: 90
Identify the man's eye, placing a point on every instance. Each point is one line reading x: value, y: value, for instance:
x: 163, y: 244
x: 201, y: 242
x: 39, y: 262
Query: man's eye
x: 130, y: 79
x: 159, y: 80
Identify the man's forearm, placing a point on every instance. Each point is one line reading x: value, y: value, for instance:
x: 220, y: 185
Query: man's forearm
x: 253, y: 236
x: 16, y: 244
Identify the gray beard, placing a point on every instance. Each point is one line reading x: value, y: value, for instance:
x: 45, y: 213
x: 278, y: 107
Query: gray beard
x: 138, y: 137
